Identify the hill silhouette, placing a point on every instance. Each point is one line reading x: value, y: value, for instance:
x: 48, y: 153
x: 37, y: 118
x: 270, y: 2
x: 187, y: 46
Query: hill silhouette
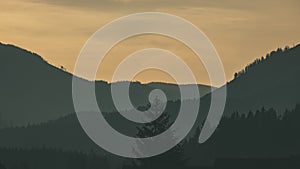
x: 256, y: 132
x: 34, y: 91
x: 250, y: 90
x: 271, y: 82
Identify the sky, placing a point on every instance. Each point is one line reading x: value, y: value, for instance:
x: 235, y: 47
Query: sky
x: 240, y: 30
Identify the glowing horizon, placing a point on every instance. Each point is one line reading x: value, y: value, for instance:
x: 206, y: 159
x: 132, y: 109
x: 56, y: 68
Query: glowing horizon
x: 240, y: 31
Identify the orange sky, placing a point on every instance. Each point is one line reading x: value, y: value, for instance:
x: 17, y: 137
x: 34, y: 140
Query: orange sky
x: 240, y: 30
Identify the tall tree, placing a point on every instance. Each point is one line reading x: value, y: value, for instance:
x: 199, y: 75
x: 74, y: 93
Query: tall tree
x: 171, y: 159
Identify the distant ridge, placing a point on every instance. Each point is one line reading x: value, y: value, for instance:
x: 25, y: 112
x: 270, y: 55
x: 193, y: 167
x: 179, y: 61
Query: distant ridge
x: 34, y: 91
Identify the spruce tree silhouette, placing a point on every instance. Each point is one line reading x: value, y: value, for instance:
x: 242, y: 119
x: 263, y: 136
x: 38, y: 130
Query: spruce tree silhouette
x: 173, y: 158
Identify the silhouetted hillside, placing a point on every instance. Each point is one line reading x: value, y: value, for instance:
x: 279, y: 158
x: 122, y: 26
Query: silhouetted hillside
x: 257, y: 132
x: 31, y: 89
x: 272, y: 81
x: 34, y: 91
x: 64, y: 133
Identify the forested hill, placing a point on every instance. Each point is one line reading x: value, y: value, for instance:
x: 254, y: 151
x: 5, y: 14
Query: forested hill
x: 34, y: 91
x: 271, y: 81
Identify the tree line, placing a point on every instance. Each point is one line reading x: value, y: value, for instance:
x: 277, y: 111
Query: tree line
x: 258, y: 61
x: 259, y: 136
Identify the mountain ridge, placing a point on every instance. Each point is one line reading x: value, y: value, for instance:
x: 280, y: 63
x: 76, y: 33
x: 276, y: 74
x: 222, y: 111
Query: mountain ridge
x: 273, y: 83
x: 34, y: 91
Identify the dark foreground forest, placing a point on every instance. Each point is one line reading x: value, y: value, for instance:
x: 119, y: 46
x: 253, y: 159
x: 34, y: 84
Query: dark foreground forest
x: 260, y: 139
